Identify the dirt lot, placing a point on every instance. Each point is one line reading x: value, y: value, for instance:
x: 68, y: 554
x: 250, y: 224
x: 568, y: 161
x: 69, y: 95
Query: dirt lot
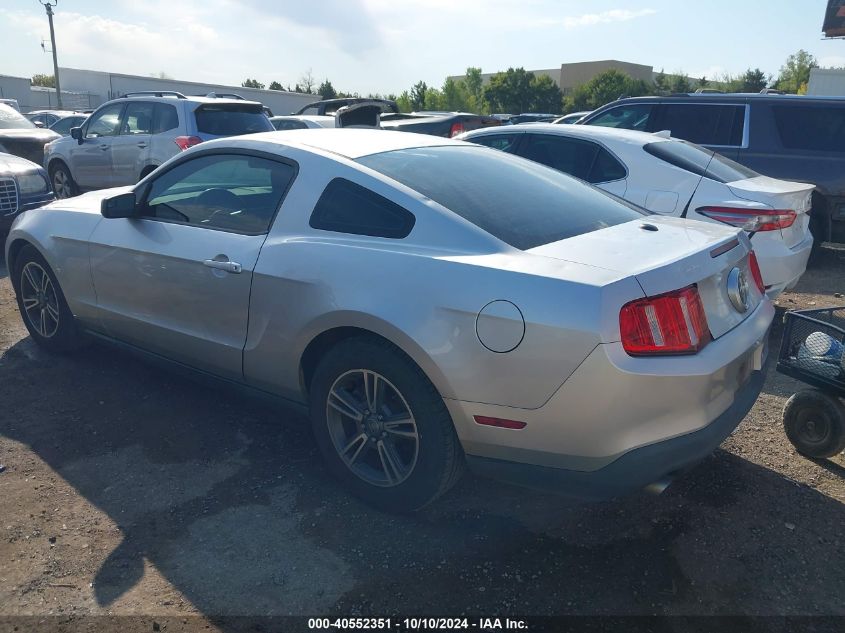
x: 130, y: 490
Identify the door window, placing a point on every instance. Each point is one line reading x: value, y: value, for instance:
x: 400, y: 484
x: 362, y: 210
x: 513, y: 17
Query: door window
x: 635, y: 116
x: 164, y: 118
x: 231, y: 192
x: 105, y: 121
x: 705, y: 124
x: 138, y: 119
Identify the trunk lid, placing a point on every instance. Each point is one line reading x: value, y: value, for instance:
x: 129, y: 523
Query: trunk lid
x: 678, y: 254
x: 780, y: 194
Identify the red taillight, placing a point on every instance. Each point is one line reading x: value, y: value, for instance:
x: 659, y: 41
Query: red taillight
x: 754, y: 267
x: 501, y: 423
x: 751, y: 219
x: 184, y: 142
x: 457, y: 128
x: 672, y: 323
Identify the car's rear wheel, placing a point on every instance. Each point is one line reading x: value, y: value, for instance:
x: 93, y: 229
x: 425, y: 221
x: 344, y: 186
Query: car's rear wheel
x: 815, y: 423
x: 63, y: 183
x: 381, y: 426
x: 42, y: 304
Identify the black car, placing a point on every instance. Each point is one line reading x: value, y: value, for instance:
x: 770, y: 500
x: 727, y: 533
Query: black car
x: 23, y: 185
x: 20, y: 136
x: 783, y: 136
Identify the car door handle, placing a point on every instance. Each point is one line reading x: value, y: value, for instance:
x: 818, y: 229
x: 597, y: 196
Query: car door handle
x: 229, y: 267
x: 104, y: 146
x: 142, y: 144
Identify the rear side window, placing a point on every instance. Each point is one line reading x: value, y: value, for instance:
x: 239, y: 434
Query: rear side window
x: 811, y: 128
x: 164, y: 118
x: 346, y: 207
x: 231, y: 119
x: 705, y: 124
x: 582, y: 159
x: 699, y: 160
x: 519, y: 202
x: 635, y: 116
x: 504, y: 142
x: 288, y: 124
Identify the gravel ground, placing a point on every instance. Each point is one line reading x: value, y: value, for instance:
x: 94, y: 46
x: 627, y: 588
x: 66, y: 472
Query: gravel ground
x: 130, y: 490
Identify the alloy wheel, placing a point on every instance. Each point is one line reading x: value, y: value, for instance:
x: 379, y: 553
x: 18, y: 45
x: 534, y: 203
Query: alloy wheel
x: 372, y: 428
x: 61, y: 183
x: 39, y: 299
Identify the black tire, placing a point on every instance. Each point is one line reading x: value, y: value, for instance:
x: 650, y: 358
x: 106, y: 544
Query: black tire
x: 60, y: 335
x: 63, y: 184
x: 439, y: 459
x: 815, y: 423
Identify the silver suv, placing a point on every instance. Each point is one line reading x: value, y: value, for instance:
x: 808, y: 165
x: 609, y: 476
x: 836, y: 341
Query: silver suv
x: 126, y: 138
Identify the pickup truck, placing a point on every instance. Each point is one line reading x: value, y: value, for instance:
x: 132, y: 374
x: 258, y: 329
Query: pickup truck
x: 446, y: 124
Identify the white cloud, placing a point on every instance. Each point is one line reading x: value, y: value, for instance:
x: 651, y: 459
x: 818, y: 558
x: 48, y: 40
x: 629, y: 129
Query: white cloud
x: 605, y: 17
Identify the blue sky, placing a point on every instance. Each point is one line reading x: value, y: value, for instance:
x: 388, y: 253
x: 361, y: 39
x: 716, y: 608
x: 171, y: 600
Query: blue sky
x: 387, y: 45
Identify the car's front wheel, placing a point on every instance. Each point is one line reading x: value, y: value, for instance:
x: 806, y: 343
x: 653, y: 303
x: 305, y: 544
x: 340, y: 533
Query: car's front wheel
x: 42, y: 304
x: 382, y: 427
x: 63, y: 183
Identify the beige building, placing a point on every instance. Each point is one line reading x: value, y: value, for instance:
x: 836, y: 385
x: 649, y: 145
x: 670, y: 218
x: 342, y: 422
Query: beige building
x: 570, y: 76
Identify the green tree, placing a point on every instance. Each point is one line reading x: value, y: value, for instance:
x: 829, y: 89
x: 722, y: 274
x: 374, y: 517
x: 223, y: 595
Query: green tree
x: 795, y: 73
x: 417, y: 96
x: 275, y: 85
x: 326, y: 90
x: 252, y: 83
x: 47, y: 81
x: 307, y: 82
x: 474, y: 83
x: 403, y: 101
x: 434, y: 99
x: 509, y: 91
x: 661, y: 82
x: 679, y: 83
x: 545, y: 95
x: 604, y: 88
x: 455, y: 95
x: 752, y: 80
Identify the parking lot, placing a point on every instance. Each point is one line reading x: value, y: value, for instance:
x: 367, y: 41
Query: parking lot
x: 128, y: 489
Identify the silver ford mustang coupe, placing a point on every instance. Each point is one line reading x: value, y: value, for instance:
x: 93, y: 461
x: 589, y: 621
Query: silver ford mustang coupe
x: 433, y: 303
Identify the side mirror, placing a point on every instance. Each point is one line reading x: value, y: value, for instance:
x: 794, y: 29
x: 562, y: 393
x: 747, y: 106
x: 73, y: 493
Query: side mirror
x: 38, y: 123
x: 121, y: 205
x: 76, y: 132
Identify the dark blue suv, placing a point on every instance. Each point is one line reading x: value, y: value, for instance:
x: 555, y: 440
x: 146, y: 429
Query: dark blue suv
x: 783, y: 136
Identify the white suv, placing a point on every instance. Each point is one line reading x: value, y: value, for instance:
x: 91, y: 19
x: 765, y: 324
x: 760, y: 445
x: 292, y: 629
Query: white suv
x: 126, y: 138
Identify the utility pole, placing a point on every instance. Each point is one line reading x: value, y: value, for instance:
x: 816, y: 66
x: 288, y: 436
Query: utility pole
x: 48, y: 6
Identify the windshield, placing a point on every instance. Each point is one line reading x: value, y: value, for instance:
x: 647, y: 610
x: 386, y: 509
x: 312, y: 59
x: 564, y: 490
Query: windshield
x: 11, y: 119
x: 522, y: 203
x: 699, y: 160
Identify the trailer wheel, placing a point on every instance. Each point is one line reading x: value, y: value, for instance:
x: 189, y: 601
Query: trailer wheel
x: 815, y: 423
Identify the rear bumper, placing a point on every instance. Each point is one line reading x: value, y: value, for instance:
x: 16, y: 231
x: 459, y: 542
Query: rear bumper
x: 780, y: 265
x: 633, y: 470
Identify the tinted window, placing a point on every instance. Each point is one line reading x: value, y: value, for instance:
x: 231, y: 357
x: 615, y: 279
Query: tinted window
x: 11, y: 119
x: 506, y: 143
x: 138, y: 119
x: 104, y: 122
x: 628, y: 117
x: 606, y: 168
x: 699, y: 160
x: 517, y: 201
x: 232, y: 119
x: 705, y: 124
x: 564, y: 154
x: 232, y: 192
x: 164, y: 118
x: 288, y: 124
x: 62, y: 126
x: 811, y: 128
x: 346, y: 207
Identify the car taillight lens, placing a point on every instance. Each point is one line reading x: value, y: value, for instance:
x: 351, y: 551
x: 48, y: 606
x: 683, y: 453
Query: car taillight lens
x: 457, y: 128
x: 751, y: 219
x: 754, y: 267
x: 184, y: 142
x: 671, y: 323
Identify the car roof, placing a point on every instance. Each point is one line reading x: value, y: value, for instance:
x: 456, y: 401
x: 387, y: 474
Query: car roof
x: 727, y: 96
x: 317, y: 118
x: 595, y: 132
x: 348, y: 142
